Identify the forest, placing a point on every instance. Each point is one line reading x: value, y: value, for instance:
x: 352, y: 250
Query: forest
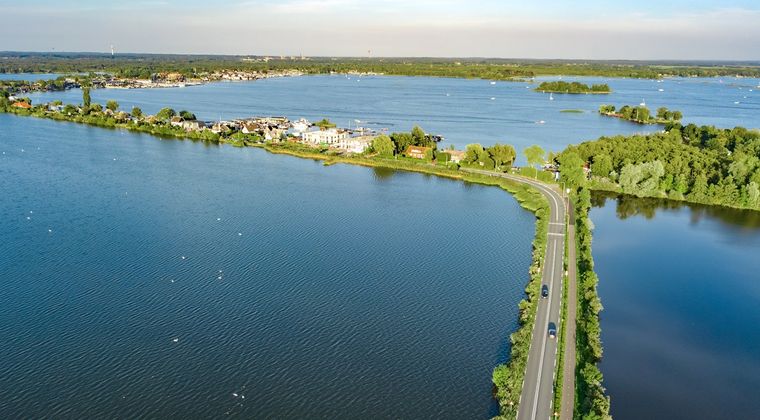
x: 144, y: 65
x: 706, y: 165
x: 572, y: 87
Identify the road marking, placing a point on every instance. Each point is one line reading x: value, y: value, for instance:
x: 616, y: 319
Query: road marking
x: 543, y: 345
x: 559, y: 217
x: 556, y: 234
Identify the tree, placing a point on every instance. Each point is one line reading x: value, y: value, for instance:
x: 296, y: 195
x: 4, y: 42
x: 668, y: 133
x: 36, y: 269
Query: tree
x: 534, y: 155
x: 86, y: 96
x: 429, y: 155
x: 607, y: 109
x: 753, y: 195
x: 502, y: 155
x: 69, y: 109
x: 641, y: 114
x: 698, y: 191
x: 642, y: 179
x: 112, y: 105
x: 187, y: 115
x: 324, y: 124
x: 165, y: 114
x: 571, y: 170
x: 677, y: 115
x: 402, y: 141
x: 383, y: 145
x: 662, y: 113
x: 137, y: 112
x: 602, y: 165
x: 418, y: 136
x: 473, y: 152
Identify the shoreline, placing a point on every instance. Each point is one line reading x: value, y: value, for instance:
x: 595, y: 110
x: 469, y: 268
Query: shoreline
x: 528, y: 197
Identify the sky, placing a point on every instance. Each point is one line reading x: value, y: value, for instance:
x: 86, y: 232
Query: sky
x: 580, y: 29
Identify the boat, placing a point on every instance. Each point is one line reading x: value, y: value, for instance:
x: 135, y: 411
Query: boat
x: 643, y: 103
x: 551, y: 97
x: 661, y: 90
x: 493, y: 83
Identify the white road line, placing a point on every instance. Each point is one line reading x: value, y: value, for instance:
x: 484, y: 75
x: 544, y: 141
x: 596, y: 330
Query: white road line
x: 556, y: 234
x: 543, y: 345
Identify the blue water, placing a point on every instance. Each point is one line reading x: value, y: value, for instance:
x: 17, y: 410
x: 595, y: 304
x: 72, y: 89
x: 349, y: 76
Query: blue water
x: 680, y: 287
x: 460, y: 110
x: 346, y: 292
x: 29, y: 76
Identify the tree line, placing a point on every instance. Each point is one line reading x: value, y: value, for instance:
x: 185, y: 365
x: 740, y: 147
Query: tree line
x: 641, y: 114
x: 560, y: 86
x: 144, y: 65
x: 704, y: 164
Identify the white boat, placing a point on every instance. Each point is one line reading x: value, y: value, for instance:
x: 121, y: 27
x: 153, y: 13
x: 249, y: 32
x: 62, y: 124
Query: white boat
x: 493, y: 83
x: 551, y: 97
x: 661, y: 90
x: 643, y: 103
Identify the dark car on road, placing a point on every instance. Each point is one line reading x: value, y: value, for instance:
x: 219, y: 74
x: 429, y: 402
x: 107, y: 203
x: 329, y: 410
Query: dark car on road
x: 552, y: 330
x: 544, y: 291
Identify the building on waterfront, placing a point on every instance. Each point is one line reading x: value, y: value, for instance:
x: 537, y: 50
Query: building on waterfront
x: 329, y: 137
x: 417, y: 152
x: 456, y: 155
x: 355, y: 144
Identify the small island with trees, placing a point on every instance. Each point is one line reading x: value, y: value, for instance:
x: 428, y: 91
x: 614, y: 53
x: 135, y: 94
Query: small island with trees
x: 641, y: 114
x: 572, y: 88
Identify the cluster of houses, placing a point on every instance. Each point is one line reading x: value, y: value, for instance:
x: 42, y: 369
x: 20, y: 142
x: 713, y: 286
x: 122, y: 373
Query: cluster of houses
x: 271, y: 129
x: 280, y: 128
x: 250, y: 75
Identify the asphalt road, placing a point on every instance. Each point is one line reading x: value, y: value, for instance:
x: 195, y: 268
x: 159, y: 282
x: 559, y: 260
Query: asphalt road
x: 537, y: 395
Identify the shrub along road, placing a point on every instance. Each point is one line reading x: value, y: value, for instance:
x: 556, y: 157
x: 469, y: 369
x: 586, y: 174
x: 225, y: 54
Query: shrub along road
x: 537, y: 396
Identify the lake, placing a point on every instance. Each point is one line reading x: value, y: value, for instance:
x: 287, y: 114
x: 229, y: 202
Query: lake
x: 461, y: 110
x: 681, y: 292
x: 168, y: 279
x: 32, y: 77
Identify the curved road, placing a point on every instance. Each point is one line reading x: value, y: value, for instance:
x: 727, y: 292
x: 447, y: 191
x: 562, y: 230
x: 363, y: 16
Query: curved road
x: 537, y: 394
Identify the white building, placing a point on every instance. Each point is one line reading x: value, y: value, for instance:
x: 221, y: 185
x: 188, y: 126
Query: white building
x: 355, y: 144
x: 330, y: 137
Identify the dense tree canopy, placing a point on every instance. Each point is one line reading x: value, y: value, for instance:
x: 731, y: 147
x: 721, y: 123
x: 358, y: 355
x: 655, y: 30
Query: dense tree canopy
x: 165, y: 113
x: 572, y: 87
x: 383, y: 145
x: 700, y: 164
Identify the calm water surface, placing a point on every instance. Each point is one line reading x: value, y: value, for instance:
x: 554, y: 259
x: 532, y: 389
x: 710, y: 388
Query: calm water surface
x: 345, y: 292
x: 680, y: 287
x: 29, y: 76
x: 459, y: 109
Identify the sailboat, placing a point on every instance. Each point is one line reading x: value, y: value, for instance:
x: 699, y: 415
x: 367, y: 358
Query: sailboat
x: 551, y: 96
x: 643, y: 103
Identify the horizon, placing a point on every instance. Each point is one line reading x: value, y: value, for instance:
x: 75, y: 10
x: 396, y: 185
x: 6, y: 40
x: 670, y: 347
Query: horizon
x: 589, y: 30
x: 126, y: 54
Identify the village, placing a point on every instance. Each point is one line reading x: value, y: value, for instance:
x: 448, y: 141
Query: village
x: 273, y: 129
x: 154, y: 80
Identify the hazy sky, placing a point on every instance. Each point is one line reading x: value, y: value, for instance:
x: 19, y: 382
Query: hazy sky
x: 588, y: 29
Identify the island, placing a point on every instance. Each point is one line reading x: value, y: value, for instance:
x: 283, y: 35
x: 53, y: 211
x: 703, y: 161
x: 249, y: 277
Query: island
x: 560, y: 86
x: 641, y: 114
